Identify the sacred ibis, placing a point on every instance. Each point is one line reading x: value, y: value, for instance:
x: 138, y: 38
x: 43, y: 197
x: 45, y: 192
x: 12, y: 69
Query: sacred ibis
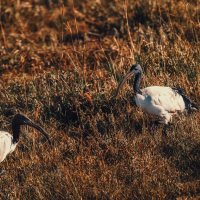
x: 9, y: 142
x: 160, y: 101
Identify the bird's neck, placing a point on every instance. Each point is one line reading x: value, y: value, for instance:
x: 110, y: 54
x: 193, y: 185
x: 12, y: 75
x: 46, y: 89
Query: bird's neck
x: 16, y: 132
x: 136, y: 84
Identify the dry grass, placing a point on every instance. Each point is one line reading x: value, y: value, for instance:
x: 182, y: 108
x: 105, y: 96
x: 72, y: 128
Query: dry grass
x: 60, y: 63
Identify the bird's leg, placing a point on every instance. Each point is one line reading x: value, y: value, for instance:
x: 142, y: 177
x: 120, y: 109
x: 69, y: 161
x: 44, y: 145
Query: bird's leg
x: 164, y: 133
x: 154, y: 126
x: 166, y: 119
x: 2, y: 172
x: 165, y: 128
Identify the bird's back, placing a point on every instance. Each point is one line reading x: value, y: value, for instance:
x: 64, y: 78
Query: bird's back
x: 164, y: 98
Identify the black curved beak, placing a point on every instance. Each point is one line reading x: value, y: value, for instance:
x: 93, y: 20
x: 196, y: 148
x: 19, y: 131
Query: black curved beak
x: 128, y: 75
x: 41, y: 130
x: 20, y: 119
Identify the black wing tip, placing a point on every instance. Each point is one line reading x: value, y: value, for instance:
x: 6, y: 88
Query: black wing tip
x: 188, y: 102
x: 179, y: 90
x: 195, y: 106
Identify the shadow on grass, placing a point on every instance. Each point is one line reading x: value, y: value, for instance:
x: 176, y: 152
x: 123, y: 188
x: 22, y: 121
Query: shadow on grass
x: 77, y: 111
x: 185, y: 158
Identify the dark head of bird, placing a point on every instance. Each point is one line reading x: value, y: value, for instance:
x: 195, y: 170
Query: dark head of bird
x: 137, y: 70
x: 19, y: 120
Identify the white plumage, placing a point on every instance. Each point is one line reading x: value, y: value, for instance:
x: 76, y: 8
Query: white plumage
x: 9, y: 142
x: 161, y: 101
x: 6, y: 145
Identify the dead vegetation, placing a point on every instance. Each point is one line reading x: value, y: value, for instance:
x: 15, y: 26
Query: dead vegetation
x: 60, y: 63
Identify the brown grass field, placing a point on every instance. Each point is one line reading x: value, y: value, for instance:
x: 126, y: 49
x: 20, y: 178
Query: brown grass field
x: 60, y: 64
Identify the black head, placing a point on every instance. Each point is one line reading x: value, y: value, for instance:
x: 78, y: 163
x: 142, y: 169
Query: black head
x: 136, y: 68
x: 19, y: 120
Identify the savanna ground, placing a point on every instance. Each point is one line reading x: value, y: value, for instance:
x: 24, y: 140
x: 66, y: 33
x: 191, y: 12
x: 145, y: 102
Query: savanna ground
x: 60, y: 64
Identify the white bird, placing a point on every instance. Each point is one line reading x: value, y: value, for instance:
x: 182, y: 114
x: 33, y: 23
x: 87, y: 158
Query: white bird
x: 161, y: 101
x: 9, y: 142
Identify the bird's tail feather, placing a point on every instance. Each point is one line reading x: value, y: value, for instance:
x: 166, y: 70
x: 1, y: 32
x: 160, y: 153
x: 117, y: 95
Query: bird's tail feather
x: 190, y: 106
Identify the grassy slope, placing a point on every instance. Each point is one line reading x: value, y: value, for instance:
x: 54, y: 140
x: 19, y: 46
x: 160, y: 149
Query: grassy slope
x: 102, y: 147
